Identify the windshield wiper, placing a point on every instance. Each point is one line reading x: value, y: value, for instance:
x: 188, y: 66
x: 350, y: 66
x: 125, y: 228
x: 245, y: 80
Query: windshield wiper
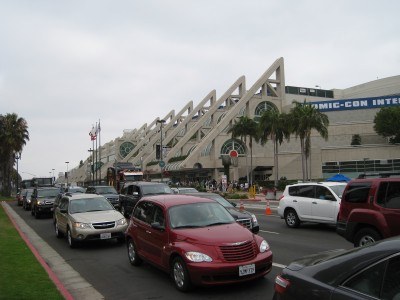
x: 94, y: 210
x: 219, y: 223
x: 188, y: 226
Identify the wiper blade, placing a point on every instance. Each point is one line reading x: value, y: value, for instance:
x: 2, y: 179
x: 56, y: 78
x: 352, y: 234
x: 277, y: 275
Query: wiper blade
x: 219, y: 223
x: 187, y: 226
x: 94, y: 210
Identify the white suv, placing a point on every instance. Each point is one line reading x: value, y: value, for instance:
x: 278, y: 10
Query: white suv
x: 311, y: 202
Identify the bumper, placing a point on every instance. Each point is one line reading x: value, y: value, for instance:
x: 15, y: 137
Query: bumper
x: 345, y: 230
x: 98, y: 234
x: 208, y: 274
x: 255, y: 229
x: 45, y: 209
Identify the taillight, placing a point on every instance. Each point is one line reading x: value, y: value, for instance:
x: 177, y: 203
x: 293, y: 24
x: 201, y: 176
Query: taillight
x: 281, y: 197
x: 281, y: 284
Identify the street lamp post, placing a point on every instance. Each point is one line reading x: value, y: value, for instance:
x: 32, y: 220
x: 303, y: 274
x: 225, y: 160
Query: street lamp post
x: 161, y: 147
x: 91, y: 166
x: 67, y: 162
x: 17, y: 157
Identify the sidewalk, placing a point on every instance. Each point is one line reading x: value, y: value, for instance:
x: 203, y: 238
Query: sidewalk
x: 259, y: 202
x: 69, y: 282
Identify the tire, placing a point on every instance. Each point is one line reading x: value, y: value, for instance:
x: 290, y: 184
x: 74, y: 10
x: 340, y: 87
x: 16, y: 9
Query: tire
x: 291, y: 218
x: 366, y: 236
x: 59, y: 234
x: 134, y: 258
x: 180, y: 275
x: 71, y: 241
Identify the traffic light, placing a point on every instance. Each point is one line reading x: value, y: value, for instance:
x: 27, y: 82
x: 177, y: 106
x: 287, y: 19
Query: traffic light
x: 158, y: 151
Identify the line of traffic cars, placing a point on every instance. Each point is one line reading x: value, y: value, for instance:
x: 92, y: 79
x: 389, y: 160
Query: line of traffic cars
x: 194, y: 238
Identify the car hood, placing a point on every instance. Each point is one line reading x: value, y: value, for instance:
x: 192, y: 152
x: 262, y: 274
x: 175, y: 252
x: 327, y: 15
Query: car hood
x: 214, y: 235
x: 237, y: 213
x: 97, y: 216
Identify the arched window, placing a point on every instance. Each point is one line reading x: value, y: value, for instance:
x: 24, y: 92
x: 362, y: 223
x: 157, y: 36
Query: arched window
x: 264, y: 106
x: 233, y: 144
x: 126, y: 148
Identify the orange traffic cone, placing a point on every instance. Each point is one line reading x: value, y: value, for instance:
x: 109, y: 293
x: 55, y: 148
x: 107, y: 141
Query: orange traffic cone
x: 268, y: 209
x: 241, y: 207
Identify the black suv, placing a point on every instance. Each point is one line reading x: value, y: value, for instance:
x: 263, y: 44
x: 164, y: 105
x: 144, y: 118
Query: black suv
x: 42, y: 200
x: 107, y: 191
x: 133, y: 191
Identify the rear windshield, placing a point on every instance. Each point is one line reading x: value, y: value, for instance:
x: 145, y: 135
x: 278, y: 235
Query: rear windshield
x: 357, y: 192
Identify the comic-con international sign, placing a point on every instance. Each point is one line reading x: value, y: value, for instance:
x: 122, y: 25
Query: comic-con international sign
x: 358, y: 103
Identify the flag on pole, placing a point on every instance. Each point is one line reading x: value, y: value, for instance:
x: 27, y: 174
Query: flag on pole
x: 93, y: 133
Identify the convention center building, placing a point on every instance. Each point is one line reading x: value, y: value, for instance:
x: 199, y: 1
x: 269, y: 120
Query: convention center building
x: 196, y: 144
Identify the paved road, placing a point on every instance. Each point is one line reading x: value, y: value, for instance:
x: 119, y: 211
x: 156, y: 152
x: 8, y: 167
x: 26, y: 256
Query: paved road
x: 105, y: 264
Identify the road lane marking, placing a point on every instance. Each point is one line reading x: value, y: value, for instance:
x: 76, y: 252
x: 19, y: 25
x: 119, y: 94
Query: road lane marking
x: 269, y: 232
x: 279, y: 265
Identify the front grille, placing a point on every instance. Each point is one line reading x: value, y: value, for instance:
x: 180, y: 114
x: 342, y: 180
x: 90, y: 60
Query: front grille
x: 104, y: 225
x: 244, y: 222
x: 241, y: 252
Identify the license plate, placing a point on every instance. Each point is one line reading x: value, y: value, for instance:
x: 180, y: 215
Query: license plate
x: 247, y: 270
x: 106, y: 235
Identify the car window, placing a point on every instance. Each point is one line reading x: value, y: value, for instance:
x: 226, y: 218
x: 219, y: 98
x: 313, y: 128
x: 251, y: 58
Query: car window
x: 159, y: 215
x: 143, y: 211
x: 323, y: 193
x: 64, y: 203
x: 357, y: 192
x: 306, y: 191
x: 391, y: 285
x: 389, y: 195
x: 368, y: 282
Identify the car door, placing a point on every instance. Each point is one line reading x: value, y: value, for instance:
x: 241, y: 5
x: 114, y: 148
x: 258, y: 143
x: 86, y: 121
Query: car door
x: 62, y: 217
x: 305, y: 195
x: 324, y: 207
x: 142, y: 217
x: 390, y: 206
x: 156, y: 236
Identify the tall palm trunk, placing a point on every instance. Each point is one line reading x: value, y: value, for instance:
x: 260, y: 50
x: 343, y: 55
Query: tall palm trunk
x: 276, y: 162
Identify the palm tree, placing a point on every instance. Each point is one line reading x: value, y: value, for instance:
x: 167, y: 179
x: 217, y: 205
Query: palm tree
x: 13, y: 136
x: 243, y: 128
x: 303, y: 118
x: 273, y: 125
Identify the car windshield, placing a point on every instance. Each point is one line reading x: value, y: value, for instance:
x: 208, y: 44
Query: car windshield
x: 89, y: 204
x: 48, y: 193
x: 221, y: 200
x: 156, y: 189
x: 201, y: 214
x: 101, y: 190
x: 338, y: 189
x: 187, y: 190
x: 76, y: 190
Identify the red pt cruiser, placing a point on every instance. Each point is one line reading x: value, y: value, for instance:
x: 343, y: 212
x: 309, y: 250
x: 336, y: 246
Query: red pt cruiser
x: 196, y: 240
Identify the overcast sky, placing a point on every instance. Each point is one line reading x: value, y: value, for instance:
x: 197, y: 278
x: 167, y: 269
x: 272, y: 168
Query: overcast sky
x: 64, y: 65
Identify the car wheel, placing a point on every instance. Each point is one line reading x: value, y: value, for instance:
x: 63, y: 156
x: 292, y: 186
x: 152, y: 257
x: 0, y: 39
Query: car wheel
x: 59, y: 234
x: 366, y: 236
x: 134, y: 258
x: 291, y: 218
x: 180, y: 275
x: 71, y: 241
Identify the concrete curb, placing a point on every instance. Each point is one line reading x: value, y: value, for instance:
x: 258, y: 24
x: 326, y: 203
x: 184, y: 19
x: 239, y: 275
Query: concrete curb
x: 69, y: 282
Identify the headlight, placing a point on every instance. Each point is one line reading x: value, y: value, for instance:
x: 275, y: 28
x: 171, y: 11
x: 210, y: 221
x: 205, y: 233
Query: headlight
x: 82, y: 225
x: 264, y: 246
x: 198, y: 257
x: 121, y: 221
x: 254, y: 218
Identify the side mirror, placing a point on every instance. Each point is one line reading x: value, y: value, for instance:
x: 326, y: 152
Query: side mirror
x: 158, y: 226
x: 330, y: 197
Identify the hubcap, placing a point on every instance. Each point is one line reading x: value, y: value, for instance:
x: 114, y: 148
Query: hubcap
x: 179, y: 276
x: 291, y: 219
x: 366, y: 240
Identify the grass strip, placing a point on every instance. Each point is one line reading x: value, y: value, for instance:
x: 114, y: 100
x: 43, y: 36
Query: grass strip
x: 21, y: 275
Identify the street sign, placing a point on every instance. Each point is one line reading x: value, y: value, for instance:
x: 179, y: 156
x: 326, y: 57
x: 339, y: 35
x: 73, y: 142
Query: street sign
x: 161, y: 163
